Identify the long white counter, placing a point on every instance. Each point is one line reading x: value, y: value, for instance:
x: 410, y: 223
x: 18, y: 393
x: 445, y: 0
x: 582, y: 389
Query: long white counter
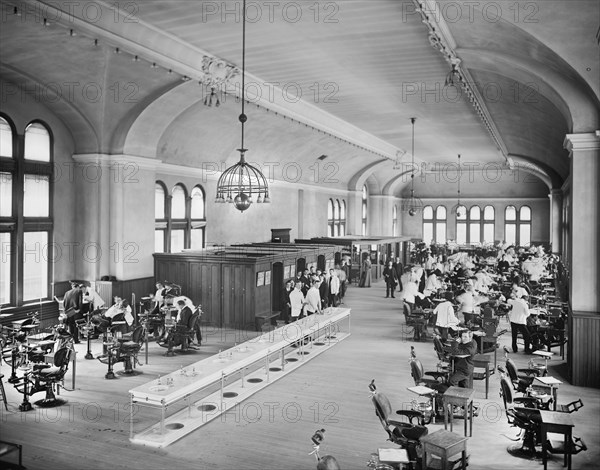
x: 275, y: 348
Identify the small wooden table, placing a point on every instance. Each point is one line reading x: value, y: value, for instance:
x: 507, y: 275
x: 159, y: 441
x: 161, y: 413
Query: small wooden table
x: 460, y: 397
x: 548, y: 382
x: 444, y: 444
x: 559, y: 423
x: 483, y: 361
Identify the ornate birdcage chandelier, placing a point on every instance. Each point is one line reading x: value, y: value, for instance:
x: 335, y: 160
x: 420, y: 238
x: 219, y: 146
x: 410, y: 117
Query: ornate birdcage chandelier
x: 242, y: 182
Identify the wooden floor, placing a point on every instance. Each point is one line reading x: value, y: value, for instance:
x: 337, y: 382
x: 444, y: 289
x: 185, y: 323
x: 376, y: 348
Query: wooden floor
x: 272, y: 429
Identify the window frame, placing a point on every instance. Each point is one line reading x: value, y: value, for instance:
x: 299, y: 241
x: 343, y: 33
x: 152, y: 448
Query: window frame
x: 435, y: 222
x: 519, y: 223
x: 17, y: 225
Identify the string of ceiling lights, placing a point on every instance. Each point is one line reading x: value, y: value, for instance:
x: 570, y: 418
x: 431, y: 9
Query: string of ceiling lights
x: 203, y: 81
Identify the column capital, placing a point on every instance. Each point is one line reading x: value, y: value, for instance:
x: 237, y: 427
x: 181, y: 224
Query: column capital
x: 556, y: 192
x: 585, y: 141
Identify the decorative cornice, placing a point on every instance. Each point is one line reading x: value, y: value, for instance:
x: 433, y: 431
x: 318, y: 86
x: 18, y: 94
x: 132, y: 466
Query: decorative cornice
x: 586, y: 141
x: 105, y: 160
x: 441, y: 39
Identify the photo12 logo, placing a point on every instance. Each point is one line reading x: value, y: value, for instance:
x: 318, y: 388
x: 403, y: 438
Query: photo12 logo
x: 271, y: 11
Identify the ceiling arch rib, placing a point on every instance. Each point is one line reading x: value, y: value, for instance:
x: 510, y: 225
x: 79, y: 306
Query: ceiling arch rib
x: 579, y: 107
x: 360, y: 178
x: 78, y: 124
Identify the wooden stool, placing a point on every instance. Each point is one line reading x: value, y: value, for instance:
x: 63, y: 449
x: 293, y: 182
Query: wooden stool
x: 444, y: 444
x: 460, y: 397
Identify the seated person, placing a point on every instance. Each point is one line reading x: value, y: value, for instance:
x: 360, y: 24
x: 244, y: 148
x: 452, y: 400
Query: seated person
x: 463, y: 366
x: 446, y: 319
x: 182, y: 324
x: 119, y: 311
x: 158, y: 298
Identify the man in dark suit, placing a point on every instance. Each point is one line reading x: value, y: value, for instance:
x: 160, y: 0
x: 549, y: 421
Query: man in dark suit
x: 184, y: 315
x: 72, y: 303
x: 397, y: 265
x: 389, y: 274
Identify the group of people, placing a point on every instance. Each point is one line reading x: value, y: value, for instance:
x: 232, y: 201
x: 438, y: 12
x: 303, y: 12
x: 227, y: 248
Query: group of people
x: 463, y: 284
x: 312, y: 291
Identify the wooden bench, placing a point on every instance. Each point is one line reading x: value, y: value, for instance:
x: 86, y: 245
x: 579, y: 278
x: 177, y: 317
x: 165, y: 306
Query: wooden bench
x: 262, y: 318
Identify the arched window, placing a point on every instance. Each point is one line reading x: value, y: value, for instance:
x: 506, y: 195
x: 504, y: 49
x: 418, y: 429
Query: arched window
x: 510, y: 225
x: 473, y: 226
x: 365, y: 196
x: 343, y: 219
x: 461, y: 225
x: 160, y: 217
x: 440, y: 224
x: 517, y: 225
x: 180, y: 221
x: 197, y: 218
x: 434, y: 224
x: 6, y: 139
x: 37, y: 142
x: 26, y: 181
x: 489, y: 218
x: 427, y: 224
x: 395, y: 220
x: 336, y: 218
x: 330, y: 219
x: 524, y: 224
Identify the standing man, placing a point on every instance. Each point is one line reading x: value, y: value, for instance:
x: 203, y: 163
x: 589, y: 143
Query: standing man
x: 296, y: 302
x: 313, y: 299
x: 334, y: 288
x: 72, y: 303
x: 397, y: 265
x: 518, y: 321
x: 391, y: 279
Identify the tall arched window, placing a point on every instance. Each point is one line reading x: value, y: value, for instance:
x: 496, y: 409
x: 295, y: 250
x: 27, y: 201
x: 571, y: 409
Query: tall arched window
x: 434, y: 224
x: 26, y: 176
x: 395, y: 220
x: 160, y: 217
x: 365, y: 196
x: 440, y: 224
x: 197, y: 218
x: 178, y: 222
x: 427, y: 224
x: 461, y: 225
x: 336, y: 218
x: 343, y: 218
x: 474, y: 227
x: 489, y: 219
x: 510, y: 225
x: 524, y: 224
x: 517, y: 225
x: 330, y: 219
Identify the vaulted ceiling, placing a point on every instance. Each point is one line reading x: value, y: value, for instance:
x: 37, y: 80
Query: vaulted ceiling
x: 340, y: 79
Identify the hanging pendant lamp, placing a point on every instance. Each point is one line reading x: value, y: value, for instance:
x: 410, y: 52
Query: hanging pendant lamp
x: 413, y: 204
x: 241, y: 182
x: 459, y: 209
